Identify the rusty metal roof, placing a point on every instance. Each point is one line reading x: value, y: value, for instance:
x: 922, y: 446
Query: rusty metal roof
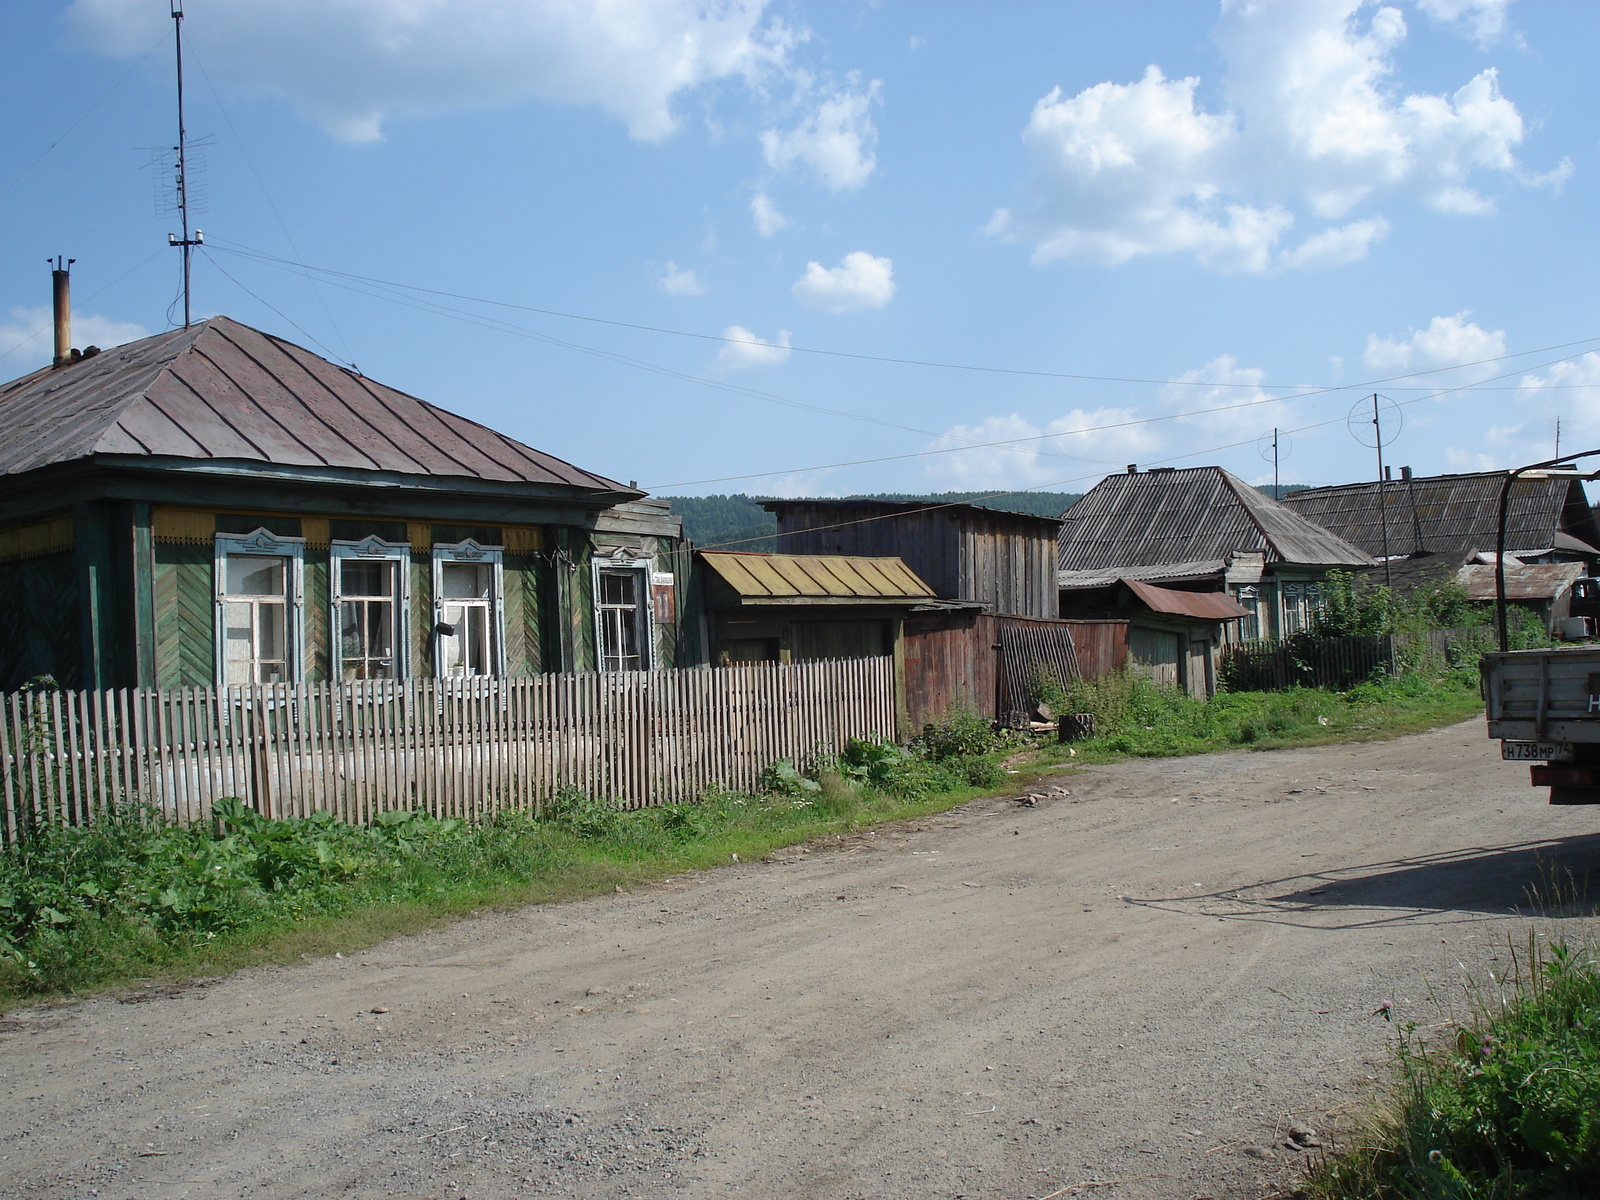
x: 1152, y: 518
x: 817, y: 578
x: 1208, y: 606
x: 1524, y: 581
x: 1445, y: 513
x: 222, y: 391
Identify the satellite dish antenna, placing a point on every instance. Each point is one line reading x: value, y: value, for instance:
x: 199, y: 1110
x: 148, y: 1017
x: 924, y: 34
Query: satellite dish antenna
x: 1274, y: 447
x: 1376, y: 423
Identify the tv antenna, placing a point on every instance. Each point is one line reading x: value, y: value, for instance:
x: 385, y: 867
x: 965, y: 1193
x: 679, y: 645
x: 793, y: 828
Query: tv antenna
x: 1273, y: 447
x: 1377, y: 423
x: 184, y: 243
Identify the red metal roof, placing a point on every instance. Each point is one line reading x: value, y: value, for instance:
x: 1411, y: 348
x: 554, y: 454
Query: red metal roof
x: 1208, y: 606
x: 220, y: 390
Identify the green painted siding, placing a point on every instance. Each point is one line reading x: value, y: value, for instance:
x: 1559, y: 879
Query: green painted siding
x: 422, y: 615
x: 40, y: 598
x: 185, y: 616
x: 318, y: 657
x: 525, y: 585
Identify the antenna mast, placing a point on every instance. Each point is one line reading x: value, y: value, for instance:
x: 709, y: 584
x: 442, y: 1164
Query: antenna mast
x: 184, y: 243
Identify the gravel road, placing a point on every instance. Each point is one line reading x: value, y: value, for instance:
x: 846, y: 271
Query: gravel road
x: 1147, y: 980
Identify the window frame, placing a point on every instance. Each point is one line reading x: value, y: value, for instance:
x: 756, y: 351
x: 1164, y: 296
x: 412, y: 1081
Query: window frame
x: 471, y: 552
x: 370, y: 549
x: 262, y: 543
x: 641, y: 568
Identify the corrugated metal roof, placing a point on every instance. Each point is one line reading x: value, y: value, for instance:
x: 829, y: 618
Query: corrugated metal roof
x: 1445, y: 513
x: 1152, y: 518
x: 220, y: 390
x: 817, y: 577
x: 1160, y: 573
x: 1524, y: 582
x: 1209, y: 606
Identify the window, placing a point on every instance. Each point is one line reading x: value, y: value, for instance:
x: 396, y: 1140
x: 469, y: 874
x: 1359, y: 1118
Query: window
x: 467, y: 580
x: 622, y: 615
x: 369, y: 586
x: 1249, y: 596
x: 1300, y: 604
x: 258, y: 609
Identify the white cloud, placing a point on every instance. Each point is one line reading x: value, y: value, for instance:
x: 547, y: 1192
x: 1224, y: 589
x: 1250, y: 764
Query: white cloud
x: 744, y: 349
x: 1034, y: 455
x: 1570, y: 390
x: 1446, y: 342
x: 1227, y: 401
x: 27, y: 340
x: 350, y: 64
x: 836, y: 140
x: 861, y: 280
x: 681, y: 281
x: 1481, y: 20
x: 1312, y: 127
x: 766, y: 215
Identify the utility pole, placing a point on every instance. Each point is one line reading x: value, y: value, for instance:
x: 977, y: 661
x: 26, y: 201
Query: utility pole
x: 1383, y: 510
x: 1276, y: 493
x: 185, y: 243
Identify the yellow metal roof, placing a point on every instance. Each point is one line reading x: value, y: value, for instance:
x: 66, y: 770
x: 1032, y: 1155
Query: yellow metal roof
x: 825, y: 578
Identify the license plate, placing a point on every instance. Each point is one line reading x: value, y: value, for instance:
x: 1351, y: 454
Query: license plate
x: 1535, y: 751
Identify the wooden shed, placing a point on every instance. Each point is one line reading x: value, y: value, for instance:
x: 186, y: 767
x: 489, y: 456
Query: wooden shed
x: 1004, y: 560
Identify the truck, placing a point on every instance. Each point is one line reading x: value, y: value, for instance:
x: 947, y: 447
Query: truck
x: 1544, y: 706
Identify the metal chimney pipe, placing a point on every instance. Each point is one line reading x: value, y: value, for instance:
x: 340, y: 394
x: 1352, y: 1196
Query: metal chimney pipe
x: 61, y: 297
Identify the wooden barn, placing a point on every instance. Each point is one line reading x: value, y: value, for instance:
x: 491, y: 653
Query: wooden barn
x: 1003, y: 560
x: 215, y: 505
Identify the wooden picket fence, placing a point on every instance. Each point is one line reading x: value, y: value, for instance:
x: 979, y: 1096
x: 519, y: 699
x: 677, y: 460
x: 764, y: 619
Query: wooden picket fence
x: 1306, y: 661
x: 462, y: 747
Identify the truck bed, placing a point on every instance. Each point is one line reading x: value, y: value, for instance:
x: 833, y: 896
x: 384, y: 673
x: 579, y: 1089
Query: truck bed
x: 1543, y: 695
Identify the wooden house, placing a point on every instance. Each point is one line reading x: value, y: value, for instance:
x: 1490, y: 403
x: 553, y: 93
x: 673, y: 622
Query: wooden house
x: 1199, y: 529
x: 1548, y: 518
x: 215, y: 505
x: 1003, y: 560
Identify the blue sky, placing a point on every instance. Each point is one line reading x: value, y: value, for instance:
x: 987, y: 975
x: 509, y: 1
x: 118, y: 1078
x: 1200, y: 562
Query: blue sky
x: 1141, y: 232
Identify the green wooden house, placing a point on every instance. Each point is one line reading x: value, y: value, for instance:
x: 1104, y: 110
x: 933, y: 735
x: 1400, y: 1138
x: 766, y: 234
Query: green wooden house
x: 215, y: 505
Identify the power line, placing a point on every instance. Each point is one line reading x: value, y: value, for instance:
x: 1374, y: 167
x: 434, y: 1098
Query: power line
x: 1015, y: 442
x: 1296, y: 389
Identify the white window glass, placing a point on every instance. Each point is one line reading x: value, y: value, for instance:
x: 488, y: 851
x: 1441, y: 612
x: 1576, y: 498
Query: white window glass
x: 368, y: 595
x: 1294, y: 608
x: 620, y: 605
x: 466, y: 612
x: 255, y: 603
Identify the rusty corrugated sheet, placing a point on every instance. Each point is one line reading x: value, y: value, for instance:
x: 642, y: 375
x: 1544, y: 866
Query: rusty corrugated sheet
x: 1151, y: 518
x: 1524, y: 582
x: 1208, y: 606
x: 222, y: 390
x: 1445, y: 513
x: 817, y: 577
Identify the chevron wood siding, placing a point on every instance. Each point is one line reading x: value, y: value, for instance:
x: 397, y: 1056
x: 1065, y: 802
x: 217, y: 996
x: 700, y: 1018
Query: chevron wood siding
x: 40, y: 596
x: 421, y: 615
x: 319, y: 660
x: 524, y: 583
x: 185, y: 616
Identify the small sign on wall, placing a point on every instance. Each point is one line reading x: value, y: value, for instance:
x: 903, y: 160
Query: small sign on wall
x: 663, y: 597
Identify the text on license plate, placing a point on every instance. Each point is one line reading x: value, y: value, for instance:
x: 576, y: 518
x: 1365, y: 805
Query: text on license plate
x: 1535, y: 751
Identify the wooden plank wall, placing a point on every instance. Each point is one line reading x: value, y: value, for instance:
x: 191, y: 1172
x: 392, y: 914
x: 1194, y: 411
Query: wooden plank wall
x: 1102, y: 646
x: 950, y: 663
x: 450, y: 747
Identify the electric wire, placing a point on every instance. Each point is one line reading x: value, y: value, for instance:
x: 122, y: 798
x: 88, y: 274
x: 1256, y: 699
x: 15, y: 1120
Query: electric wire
x: 1297, y: 389
x: 270, y: 305
x: 88, y: 112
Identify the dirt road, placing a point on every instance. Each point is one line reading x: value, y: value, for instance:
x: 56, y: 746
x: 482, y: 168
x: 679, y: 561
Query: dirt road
x: 1145, y: 981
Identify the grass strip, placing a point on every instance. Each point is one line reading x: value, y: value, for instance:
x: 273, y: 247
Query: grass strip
x: 1502, y: 1106
x: 135, y: 898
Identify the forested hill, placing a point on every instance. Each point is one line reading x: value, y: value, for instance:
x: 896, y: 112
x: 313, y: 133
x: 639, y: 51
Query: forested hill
x: 740, y: 523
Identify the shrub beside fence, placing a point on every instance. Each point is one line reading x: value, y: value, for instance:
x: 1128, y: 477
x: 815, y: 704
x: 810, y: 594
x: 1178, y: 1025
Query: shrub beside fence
x: 450, y: 747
